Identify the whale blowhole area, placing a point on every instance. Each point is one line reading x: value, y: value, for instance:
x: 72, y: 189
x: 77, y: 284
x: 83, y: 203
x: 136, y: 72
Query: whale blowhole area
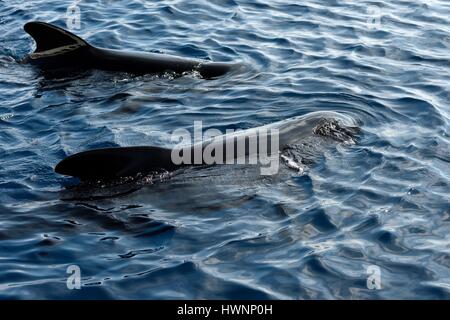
x: 334, y: 129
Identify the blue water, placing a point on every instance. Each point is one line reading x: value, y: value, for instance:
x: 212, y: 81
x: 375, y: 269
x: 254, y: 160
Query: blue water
x: 223, y: 232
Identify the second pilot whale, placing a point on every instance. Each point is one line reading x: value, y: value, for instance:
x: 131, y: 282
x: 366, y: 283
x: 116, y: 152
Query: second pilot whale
x: 291, y: 136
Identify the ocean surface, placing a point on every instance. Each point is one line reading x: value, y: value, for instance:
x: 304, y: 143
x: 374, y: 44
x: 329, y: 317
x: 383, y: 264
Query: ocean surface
x: 364, y: 221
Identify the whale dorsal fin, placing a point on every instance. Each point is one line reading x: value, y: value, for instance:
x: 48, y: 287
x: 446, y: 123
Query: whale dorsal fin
x: 51, y: 39
x: 110, y: 163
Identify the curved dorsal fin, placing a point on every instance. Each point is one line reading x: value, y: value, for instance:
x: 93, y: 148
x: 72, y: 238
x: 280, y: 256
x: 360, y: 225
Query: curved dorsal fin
x: 48, y: 36
x: 108, y: 163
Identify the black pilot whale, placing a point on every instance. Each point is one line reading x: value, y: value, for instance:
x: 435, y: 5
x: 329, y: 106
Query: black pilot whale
x: 118, y: 162
x: 57, y: 48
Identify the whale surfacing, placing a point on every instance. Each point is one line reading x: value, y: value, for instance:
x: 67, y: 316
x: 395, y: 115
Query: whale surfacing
x: 57, y: 48
x: 118, y: 162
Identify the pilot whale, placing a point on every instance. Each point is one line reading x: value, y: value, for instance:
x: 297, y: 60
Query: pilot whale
x: 57, y: 48
x: 117, y: 162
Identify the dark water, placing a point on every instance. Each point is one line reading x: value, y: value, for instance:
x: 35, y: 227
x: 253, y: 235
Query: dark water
x: 226, y: 232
